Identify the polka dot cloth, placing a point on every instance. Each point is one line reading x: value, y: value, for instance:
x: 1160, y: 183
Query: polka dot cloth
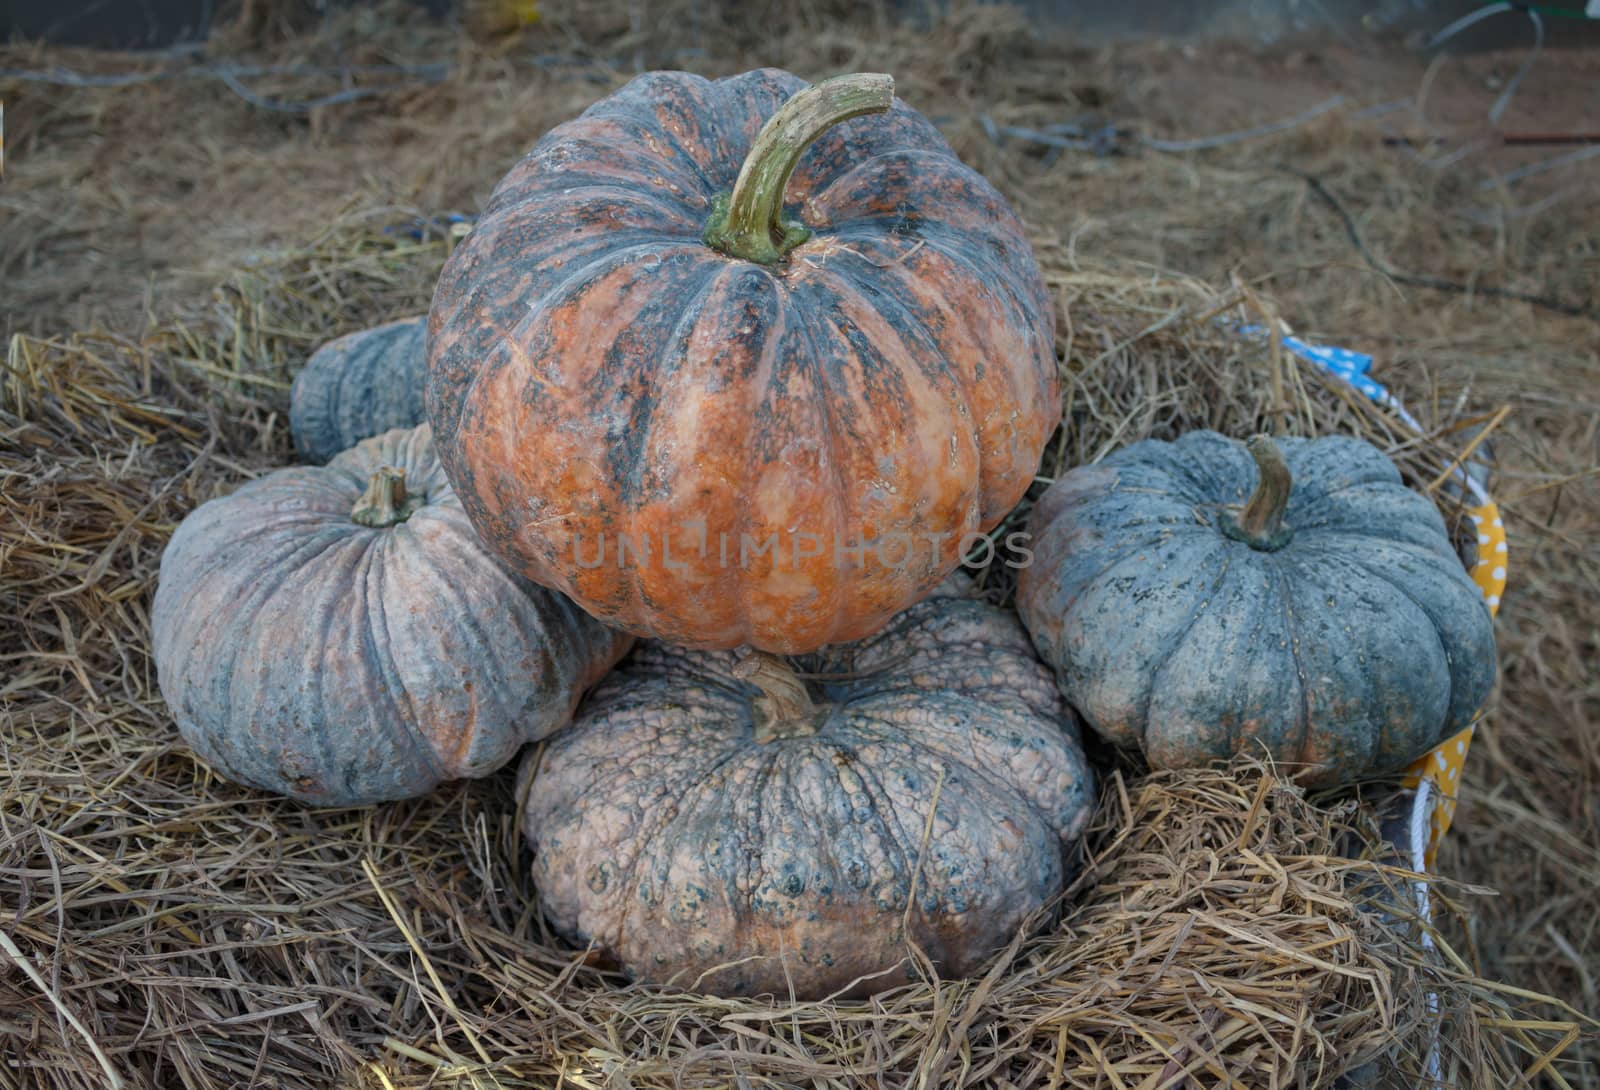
x: 1443, y: 766
x: 1347, y: 364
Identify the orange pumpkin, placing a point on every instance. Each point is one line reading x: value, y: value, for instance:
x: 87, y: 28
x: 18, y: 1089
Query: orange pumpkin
x: 742, y: 362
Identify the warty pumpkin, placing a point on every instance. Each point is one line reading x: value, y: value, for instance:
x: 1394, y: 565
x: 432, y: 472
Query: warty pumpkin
x: 1289, y: 598
x: 357, y: 386
x: 339, y: 634
x: 742, y: 361
x: 732, y: 825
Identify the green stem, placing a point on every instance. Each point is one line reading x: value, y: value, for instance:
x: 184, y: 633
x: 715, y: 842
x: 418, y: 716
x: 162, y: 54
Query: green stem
x: 784, y: 708
x: 385, y: 502
x: 1259, y: 523
x: 748, y: 223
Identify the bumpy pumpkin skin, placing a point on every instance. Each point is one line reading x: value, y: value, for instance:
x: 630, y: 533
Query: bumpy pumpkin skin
x: 597, y: 370
x: 343, y: 664
x: 1349, y: 652
x: 665, y: 832
x: 357, y: 386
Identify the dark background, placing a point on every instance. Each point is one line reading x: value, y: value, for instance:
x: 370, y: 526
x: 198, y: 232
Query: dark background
x: 145, y: 24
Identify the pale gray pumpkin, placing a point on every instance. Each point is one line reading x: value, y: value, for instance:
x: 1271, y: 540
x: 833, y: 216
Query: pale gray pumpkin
x: 357, y: 386
x: 338, y: 633
x: 705, y: 809
x: 1287, y: 598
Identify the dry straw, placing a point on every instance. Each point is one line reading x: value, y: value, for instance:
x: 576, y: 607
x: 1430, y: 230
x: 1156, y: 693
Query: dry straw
x: 180, y: 931
x: 177, y: 931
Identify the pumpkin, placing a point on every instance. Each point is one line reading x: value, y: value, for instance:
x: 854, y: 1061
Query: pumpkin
x: 357, y: 386
x: 726, y: 382
x: 744, y: 825
x: 1289, y: 598
x: 339, y: 634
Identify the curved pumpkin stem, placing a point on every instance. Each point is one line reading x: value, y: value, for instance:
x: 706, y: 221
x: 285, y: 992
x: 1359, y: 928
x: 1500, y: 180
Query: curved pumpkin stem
x: 785, y: 708
x: 1260, y: 522
x: 749, y: 223
x: 385, y: 501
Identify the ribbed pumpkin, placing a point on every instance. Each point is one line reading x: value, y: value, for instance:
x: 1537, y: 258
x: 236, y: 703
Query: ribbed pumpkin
x: 683, y: 372
x: 706, y: 810
x: 357, y: 386
x: 1286, y: 597
x: 339, y: 634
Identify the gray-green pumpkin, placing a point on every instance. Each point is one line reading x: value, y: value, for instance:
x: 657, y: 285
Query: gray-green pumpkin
x: 339, y: 634
x: 730, y: 826
x: 1287, y: 598
x: 357, y: 386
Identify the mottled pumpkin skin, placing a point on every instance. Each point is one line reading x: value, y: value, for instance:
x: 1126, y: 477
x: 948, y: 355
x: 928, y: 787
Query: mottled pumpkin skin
x: 597, y: 372
x: 668, y: 835
x: 340, y: 664
x: 1349, y: 652
x: 357, y: 386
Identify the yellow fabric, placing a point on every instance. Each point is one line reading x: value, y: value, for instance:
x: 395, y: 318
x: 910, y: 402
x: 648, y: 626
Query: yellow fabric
x: 1443, y: 766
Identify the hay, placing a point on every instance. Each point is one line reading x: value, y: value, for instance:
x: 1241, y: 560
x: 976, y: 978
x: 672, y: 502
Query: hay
x: 184, y: 932
x: 202, y: 934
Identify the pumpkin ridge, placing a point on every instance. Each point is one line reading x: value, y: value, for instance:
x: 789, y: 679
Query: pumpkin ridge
x: 895, y: 376
x: 1229, y: 675
x: 509, y: 347
x: 899, y: 279
x: 694, y: 793
x: 1087, y: 586
x: 600, y: 707
x: 883, y: 804
x: 768, y: 759
x: 377, y: 616
x: 667, y: 363
x: 226, y: 561
x: 923, y: 350
x: 1407, y: 509
x: 837, y: 151
x: 1091, y: 584
x: 837, y: 495
x: 822, y: 189
x: 1340, y: 567
x: 1358, y: 561
x: 326, y: 613
x: 1309, y: 501
x: 1210, y: 464
x: 911, y: 619
x: 994, y: 698
x: 1291, y: 627
x: 986, y: 273
x: 612, y: 124
x: 469, y: 620
x: 649, y: 116
x: 705, y: 94
x: 1175, y: 639
x: 261, y: 594
x: 970, y: 762
x: 1360, y: 540
x: 973, y: 777
x: 830, y: 758
x: 758, y: 389
x: 619, y: 368
x: 531, y: 205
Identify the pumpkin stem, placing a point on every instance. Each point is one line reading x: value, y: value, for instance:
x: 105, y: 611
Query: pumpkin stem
x: 784, y: 708
x: 385, y: 502
x: 1259, y: 523
x: 748, y: 223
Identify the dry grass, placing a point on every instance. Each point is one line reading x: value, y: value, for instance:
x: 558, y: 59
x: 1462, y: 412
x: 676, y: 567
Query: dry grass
x: 200, y: 935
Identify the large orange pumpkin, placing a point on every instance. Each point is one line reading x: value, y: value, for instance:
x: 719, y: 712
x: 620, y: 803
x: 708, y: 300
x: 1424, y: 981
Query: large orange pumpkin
x: 738, y: 362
